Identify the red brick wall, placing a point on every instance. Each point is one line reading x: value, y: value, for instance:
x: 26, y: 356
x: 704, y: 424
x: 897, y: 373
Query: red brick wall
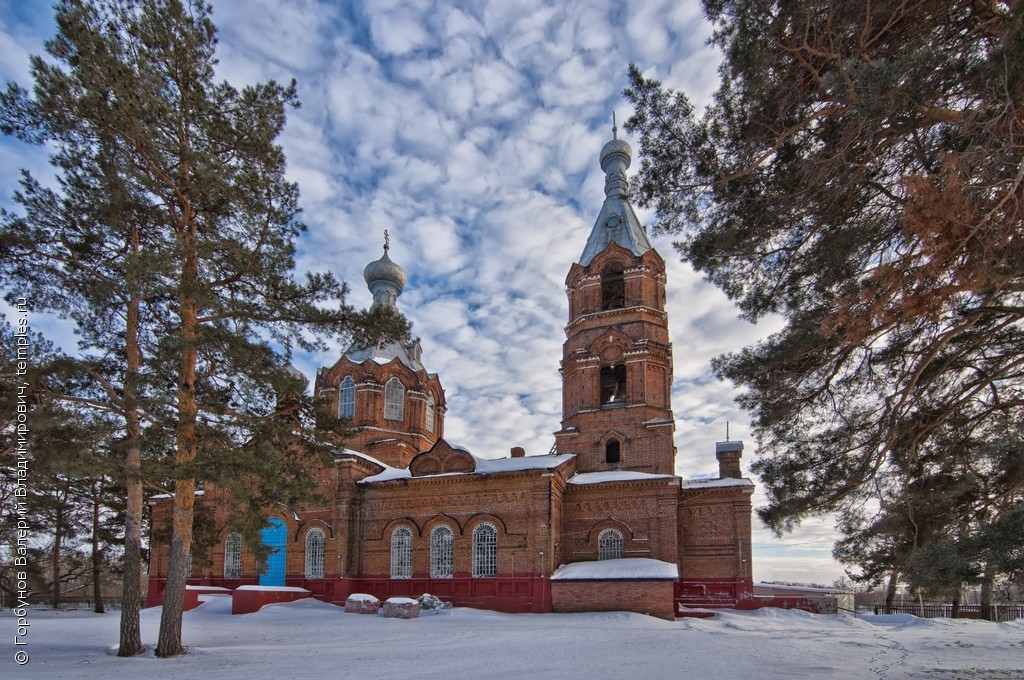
x: 635, y: 336
x: 714, y: 543
x: 644, y: 597
x: 516, y: 503
x: 645, y: 513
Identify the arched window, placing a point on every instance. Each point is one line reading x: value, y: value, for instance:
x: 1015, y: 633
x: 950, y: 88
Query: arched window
x: 485, y: 551
x: 613, y: 385
x: 401, y: 553
x: 315, y: 553
x: 347, y: 398
x: 613, y: 287
x: 609, y: 545
x: 441, y: 552
x: 233, y: 556
x: 394, y: 400
x: 429, y: 418
x: 612, y: 451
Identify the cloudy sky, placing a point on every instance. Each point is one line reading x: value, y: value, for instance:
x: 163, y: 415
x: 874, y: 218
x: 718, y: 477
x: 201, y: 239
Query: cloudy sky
x: 471, y: 131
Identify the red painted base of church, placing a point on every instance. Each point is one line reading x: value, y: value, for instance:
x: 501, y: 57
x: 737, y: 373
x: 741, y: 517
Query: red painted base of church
x: 518, y: 594
x: 155, y: 591
x: 723, y: 593
x: 248, y: 601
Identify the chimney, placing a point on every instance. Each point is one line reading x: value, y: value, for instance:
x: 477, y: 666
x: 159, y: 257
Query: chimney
x: 518, y: 452
x: 728, y: 455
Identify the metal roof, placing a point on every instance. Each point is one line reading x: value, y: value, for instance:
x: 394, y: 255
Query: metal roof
x: 617, y: 223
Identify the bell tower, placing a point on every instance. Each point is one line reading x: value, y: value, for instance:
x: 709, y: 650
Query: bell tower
x: 617, y: 359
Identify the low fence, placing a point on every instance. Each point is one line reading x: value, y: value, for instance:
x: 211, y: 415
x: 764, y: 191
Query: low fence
x: 995, y: 612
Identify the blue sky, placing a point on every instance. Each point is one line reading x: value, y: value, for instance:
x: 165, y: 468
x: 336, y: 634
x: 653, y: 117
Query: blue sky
x: 471, y: 131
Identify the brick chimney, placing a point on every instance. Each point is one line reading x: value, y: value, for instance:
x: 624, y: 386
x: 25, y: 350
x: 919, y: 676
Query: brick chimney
x: 518, y: 452
x: 728, y: 455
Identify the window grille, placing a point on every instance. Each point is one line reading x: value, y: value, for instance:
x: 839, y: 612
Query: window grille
x: 347, y: 398
x: 315, y: 553
x: 233, y: 556
x: 441, y: 552
x: 401, y: 553
x: 430, y: 414
x: 394, y: 400
x: 609, y: 545
x: 485, y: 551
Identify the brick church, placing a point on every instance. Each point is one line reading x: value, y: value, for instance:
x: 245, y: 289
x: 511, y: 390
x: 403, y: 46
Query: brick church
x: 602, y: 522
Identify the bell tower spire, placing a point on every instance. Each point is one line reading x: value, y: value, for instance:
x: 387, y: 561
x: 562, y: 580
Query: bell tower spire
x: 617, y: 358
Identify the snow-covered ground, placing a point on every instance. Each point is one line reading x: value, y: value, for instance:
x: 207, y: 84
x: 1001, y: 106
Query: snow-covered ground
x: 312, y: 640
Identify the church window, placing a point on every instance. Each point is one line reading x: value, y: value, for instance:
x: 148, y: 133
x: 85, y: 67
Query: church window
x: 612, y: 451
x: 401, y: 553
x: 609, y: 545
x: 441, y: 552
x: 613, y: 288
x: 613, y: 385
x: 233, y: 556
x: 347, y: 398
x: 188, y: 567
x: 429, y: 417
x: 485, y: 551
x: 315, y: 553
x: 394, y: 400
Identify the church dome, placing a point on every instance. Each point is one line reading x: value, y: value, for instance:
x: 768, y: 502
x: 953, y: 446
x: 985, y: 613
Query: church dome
x: 616, y: 147
x: 386, y: 271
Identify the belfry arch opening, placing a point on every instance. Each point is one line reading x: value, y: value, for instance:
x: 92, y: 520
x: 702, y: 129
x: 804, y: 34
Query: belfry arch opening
x: 612, y: 451
x: 613, y: 287
x: 613, y: 385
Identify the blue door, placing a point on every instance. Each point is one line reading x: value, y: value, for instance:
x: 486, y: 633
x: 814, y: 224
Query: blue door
x: 274, y: 537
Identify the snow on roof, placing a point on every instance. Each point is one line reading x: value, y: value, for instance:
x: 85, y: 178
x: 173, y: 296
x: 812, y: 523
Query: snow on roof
x: 656, y: 421
x: 385, y: 354
x: 389, y: 472
x: 484, y: 466
x: 715, y: 483
x: 198, y: 492
x: 809, y: 589
x: 614, y: 476
x: 545, y: 462
x: 359, y: 454
x: 620, y: 569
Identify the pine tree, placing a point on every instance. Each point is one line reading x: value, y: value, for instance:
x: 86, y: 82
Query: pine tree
x: 204, y: 221
x: 859, y: 173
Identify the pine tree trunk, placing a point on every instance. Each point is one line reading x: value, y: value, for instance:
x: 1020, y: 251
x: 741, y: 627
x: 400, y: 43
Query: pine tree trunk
x: 956, y: 605
x: 58, y: 538
x: 130, y: 642
x: 97, y: 586
x: 986, y: 595
x: 169, y: 641
x: 890, y: 591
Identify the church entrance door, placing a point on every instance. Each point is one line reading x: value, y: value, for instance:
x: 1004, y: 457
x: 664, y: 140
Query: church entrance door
x: 274, y: 537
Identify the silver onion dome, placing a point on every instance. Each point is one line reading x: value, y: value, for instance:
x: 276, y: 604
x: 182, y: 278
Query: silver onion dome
x: 385, y: 279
